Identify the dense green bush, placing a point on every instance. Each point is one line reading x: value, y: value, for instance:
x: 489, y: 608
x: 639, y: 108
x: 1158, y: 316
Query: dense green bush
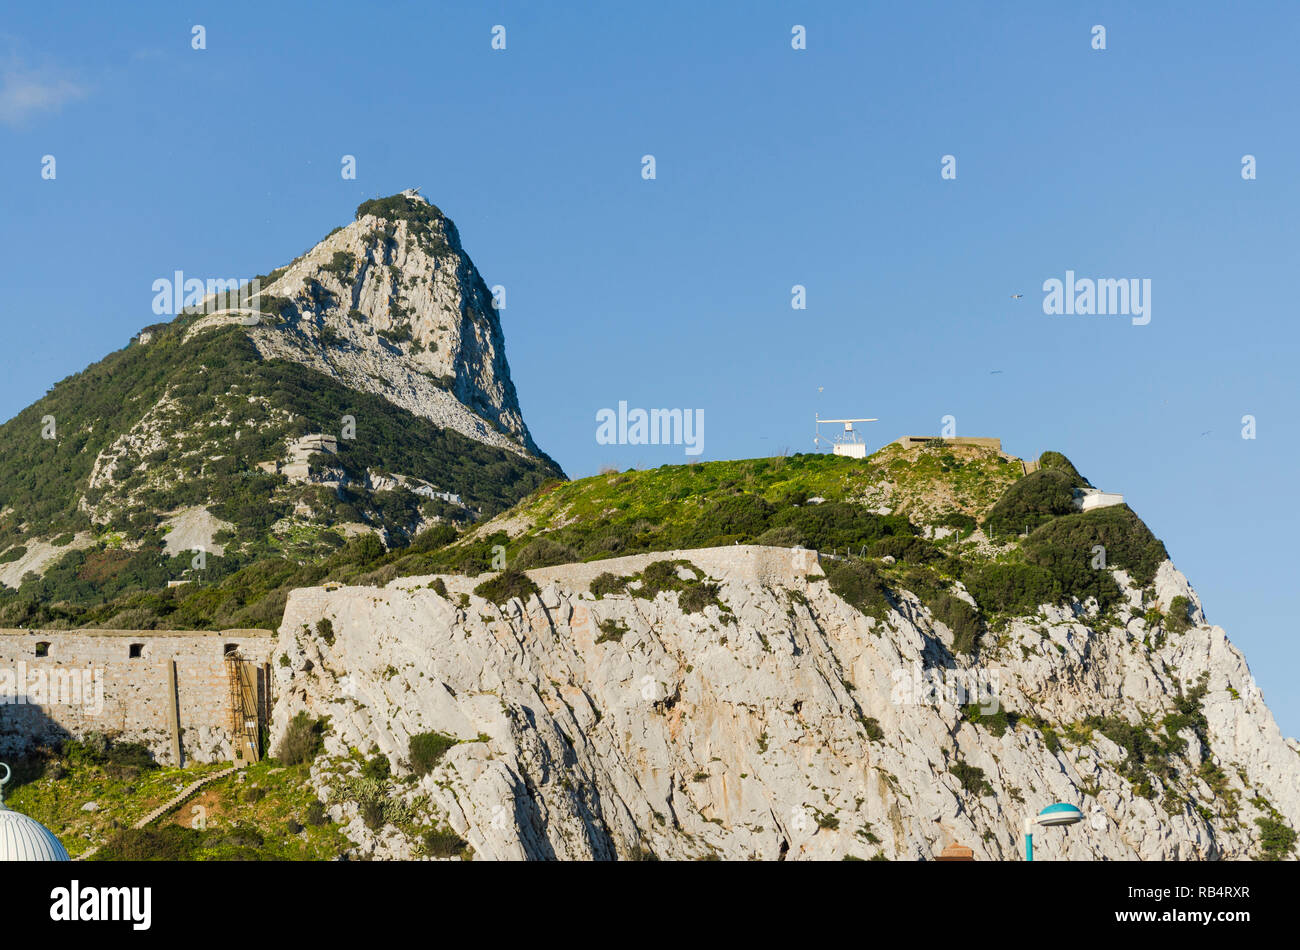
x: 432, y: 538
x: 427, y: 749
x: 1034, y: 500
x: 302, y: 740
x: 906, y: 548
x: 956, y: 519
x: 1011, y: 588
x: 695, y: 597
x: 123, y: 760
x: 372, y: 813
x: 832, y: 525
x: 1066, y: 545
x: 738, y: 517
x: 440, y: 843
x: 325, y: 629
x: 543, y: 552
x: 341, y: 265
x: 1058, y: 462
x: 1179, y: 619
x: 997, y: 722
x: 163, y: 843
x: 509, y: 583
x: 860, y: 584
x: 400, y: 208
x: 961, y: 618
x: 1276, y: 839
x: 606, y: 583
x: 971, y: 778
x: 659, y: 576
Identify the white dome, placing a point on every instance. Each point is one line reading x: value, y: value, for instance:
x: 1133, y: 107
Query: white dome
x: 23, y: 838
x: 26, y: 839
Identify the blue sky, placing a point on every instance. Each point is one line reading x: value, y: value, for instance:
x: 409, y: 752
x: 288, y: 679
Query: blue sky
x: 775, y: 167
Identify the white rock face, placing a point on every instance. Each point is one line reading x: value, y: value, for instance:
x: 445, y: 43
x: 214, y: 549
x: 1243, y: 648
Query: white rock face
x: 37, y: 556
x: 399, y: 311
x: 747, y: 732
x: 191, y: 529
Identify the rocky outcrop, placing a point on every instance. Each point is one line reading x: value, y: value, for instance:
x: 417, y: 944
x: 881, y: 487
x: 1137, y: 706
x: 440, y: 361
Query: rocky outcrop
x: 780, y: 723
x: 394, y: 307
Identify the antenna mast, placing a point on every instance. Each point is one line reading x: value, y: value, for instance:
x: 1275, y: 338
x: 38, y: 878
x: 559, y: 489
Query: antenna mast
x: 848, y: 442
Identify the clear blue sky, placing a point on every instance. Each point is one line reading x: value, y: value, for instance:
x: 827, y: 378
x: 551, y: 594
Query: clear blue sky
x: 775, y: 167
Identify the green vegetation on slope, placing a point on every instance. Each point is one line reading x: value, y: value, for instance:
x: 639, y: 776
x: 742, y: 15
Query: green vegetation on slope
x: 269, y: 815
x: 230, y: 411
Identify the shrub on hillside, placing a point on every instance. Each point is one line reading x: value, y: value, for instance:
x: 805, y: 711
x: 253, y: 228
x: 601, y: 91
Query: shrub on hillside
x: 741, y: 517
x: 543, y: 552
x: 123, y: 760
x: 325, y: 629
x: 956, y: 519
x: 860, y: 584
x: 833, y: 524
x: 906, y: 548
x: 427, y: 749
x: 786, y: 536
x: 959, y: 617
x: 164, y: 843
x: 1276, y: 839
x: 1179, y: 619
x: 440, y: 843
x: 315, y: 815
x: 1011, y: 588
x: 301, y: 741
x: 1058, y: 462
x: 659, y: 576
x: 971, y: 777
x: 606, y: 583
x: 372, y: 813
x: 695, y: 597
x: 506, y: 585
x: 437, y: 536
x: 1034, y: 500
x: 1066, y: 545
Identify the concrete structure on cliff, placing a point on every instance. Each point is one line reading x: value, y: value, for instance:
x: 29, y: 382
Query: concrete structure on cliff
x: 188, y: 695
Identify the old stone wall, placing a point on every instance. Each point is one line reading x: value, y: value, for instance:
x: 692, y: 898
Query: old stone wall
x: 56, y: 684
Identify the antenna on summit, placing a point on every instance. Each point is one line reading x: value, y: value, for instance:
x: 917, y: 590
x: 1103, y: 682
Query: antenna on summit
x: 848, y: 442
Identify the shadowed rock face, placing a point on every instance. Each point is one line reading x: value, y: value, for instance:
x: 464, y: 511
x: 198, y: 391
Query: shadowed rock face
x: 781, y: 723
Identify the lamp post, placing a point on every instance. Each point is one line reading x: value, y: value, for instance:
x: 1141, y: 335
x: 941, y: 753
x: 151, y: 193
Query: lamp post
x: 1058, y: 814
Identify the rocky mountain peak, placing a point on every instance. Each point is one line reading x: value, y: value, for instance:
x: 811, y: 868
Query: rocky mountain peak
x: 392, y: 305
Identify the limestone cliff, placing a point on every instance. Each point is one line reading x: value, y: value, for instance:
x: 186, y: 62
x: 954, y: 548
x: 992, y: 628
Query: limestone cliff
x: 780, y: 722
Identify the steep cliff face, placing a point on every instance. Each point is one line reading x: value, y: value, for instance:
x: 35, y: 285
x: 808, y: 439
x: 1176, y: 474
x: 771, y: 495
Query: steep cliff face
x: 771, y: 719
x: 392, y: 305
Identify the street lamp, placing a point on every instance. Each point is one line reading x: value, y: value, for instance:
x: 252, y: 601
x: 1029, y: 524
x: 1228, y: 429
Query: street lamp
x: 1058, y: 814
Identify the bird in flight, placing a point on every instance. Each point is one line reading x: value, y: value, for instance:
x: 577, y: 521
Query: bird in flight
x: 1016, y: 296
x: 994, y: 372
